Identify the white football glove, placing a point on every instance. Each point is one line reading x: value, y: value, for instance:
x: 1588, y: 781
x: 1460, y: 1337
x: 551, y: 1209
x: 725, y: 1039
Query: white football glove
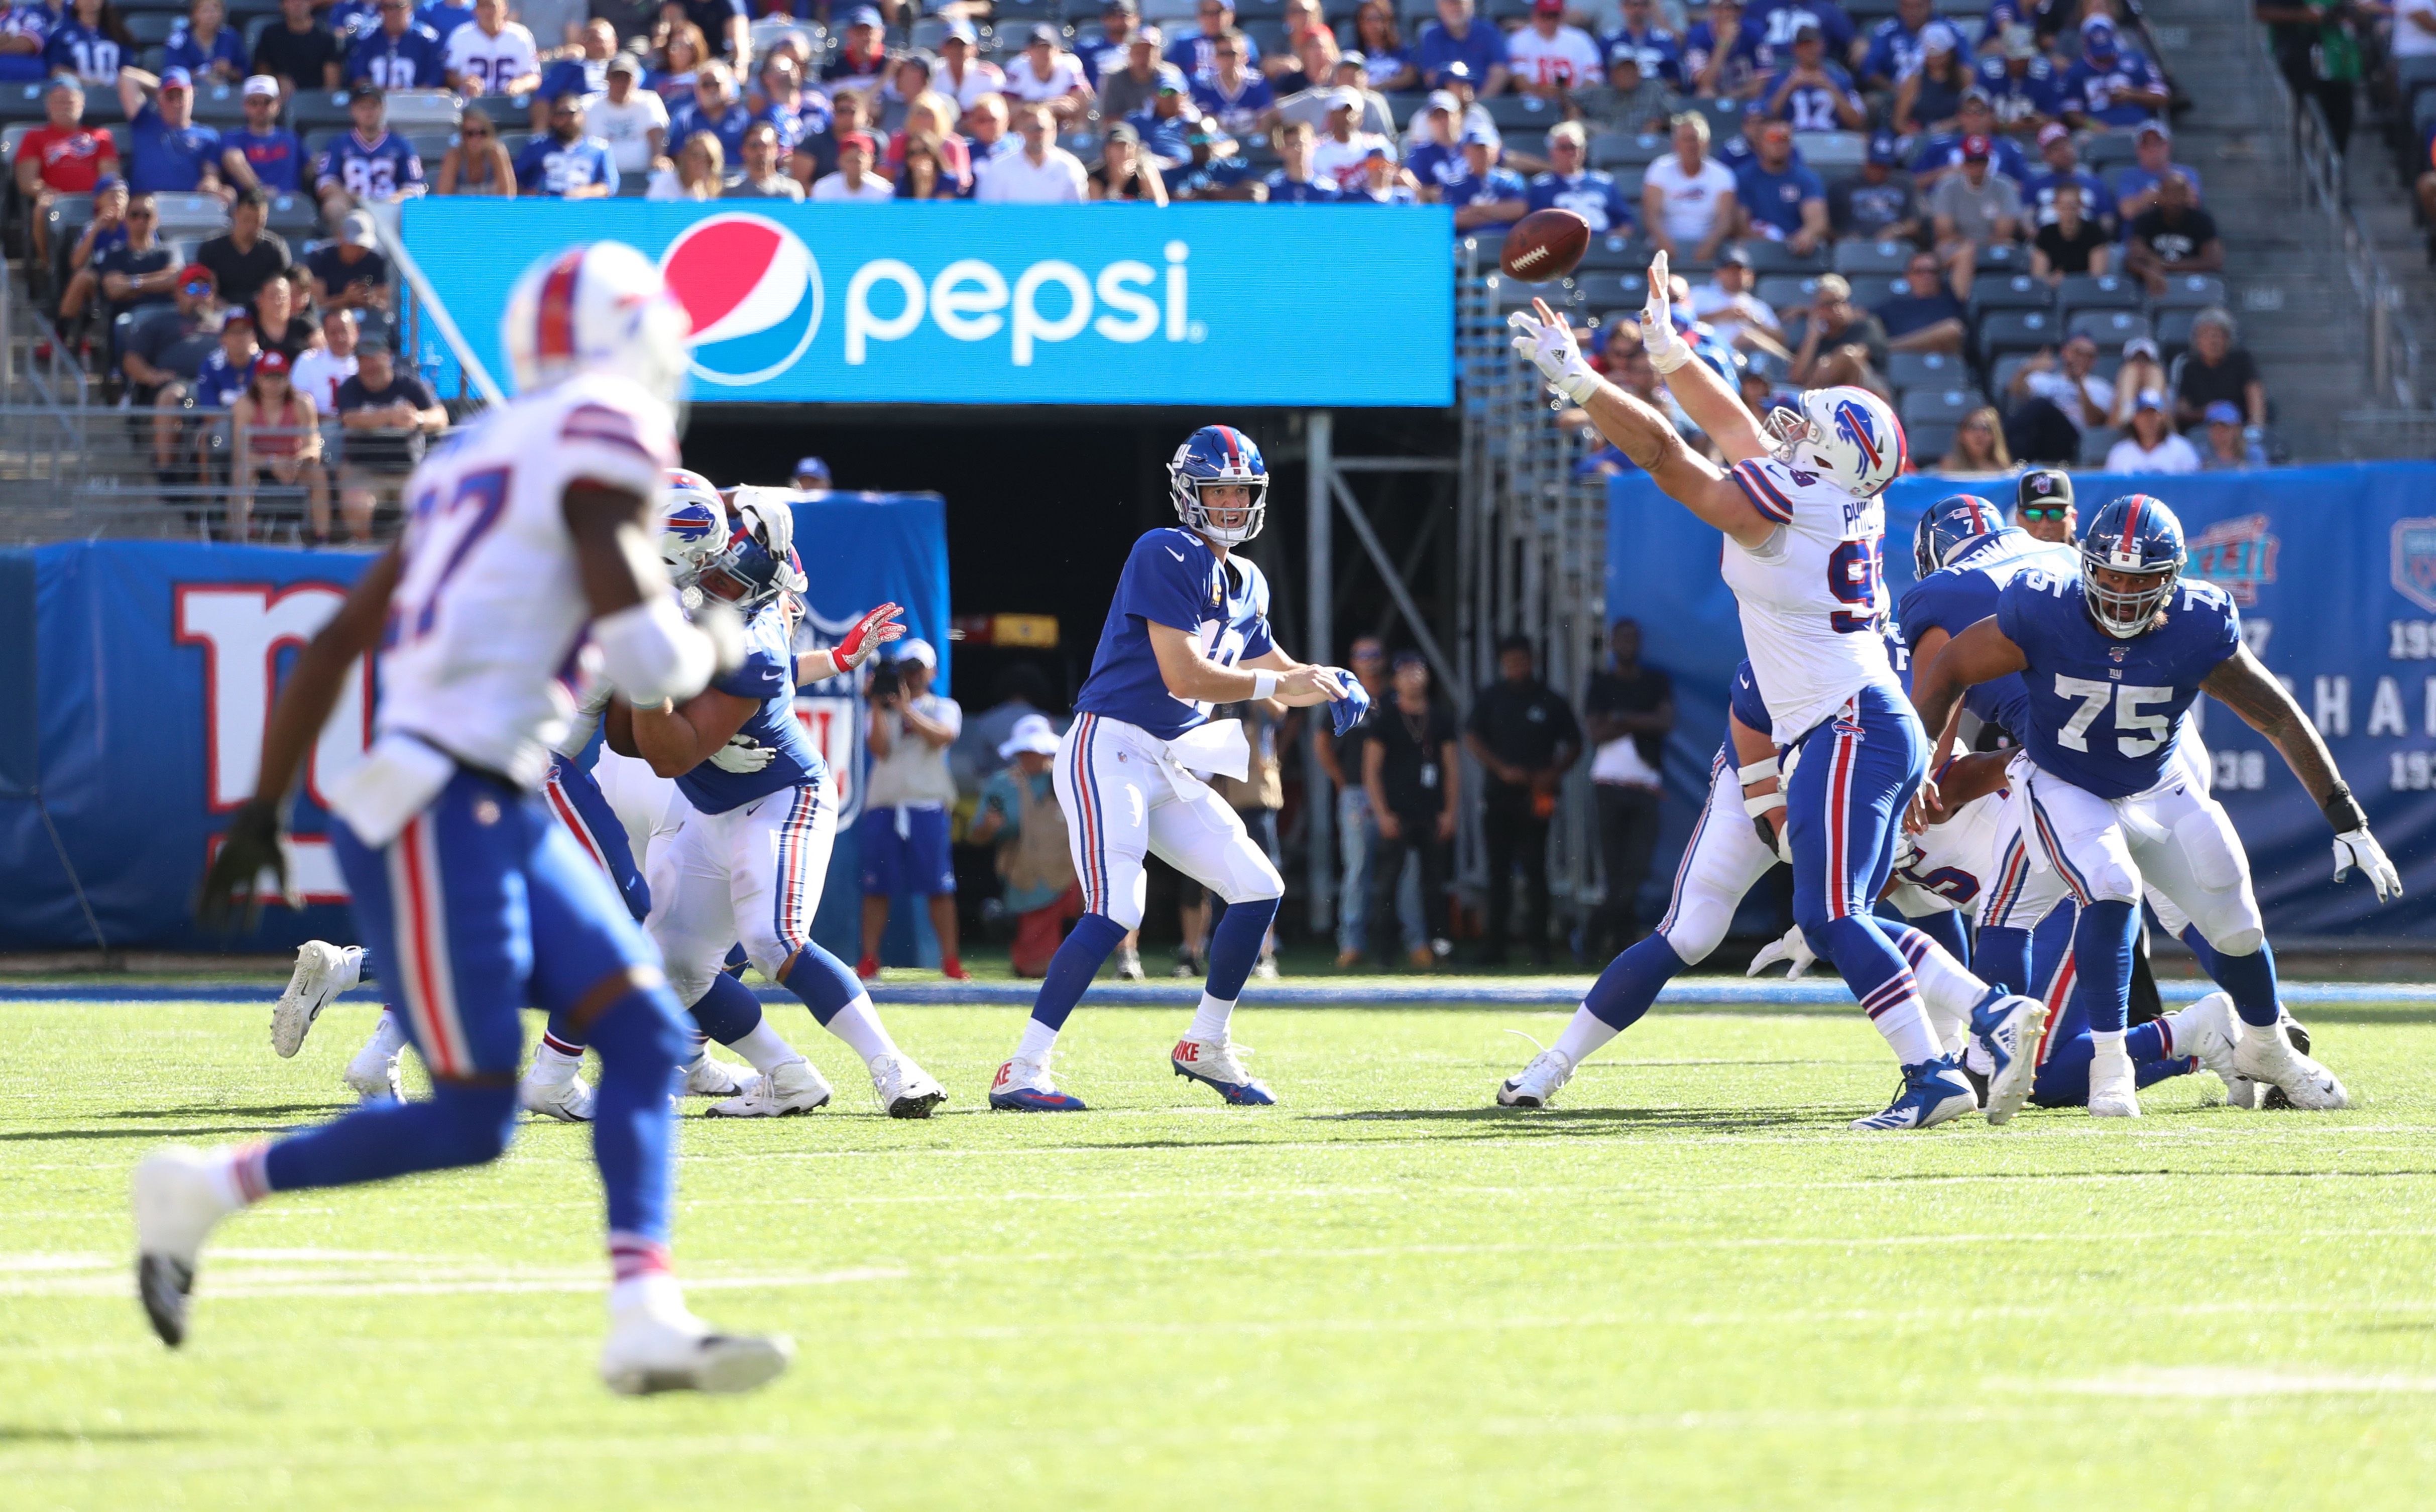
x: 742, y: 753
x: 769, y: 516
x: 1551, y: 348
x: 2358, y: 847
x: 1793, y: 948
x: 1666, y: 347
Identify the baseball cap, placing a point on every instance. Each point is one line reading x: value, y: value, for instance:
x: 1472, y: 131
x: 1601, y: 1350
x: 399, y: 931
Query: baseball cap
x: 1979, y: 96
x: 626, y: 63
x: 356, y: 230
x: 272, y: 360
x: 861, y: 139
x: 1353, y: 58
x: 1170, y: 82
x: 1885, y: 151
x: 915, y: 649
x: 1033, y: 733
x: 2042, y: 485
x: 1442, y: 100
x: 108, y: 181
x: 174, y: 77
x: 1481, y: 134
x: 1148, y: 36
x: 1040, y: 35
x: 813, y: 466
x: 2151, y: 399
x: 365, y: 89
x: 960, y: 30
x: 1122, y: 132
x: 1346, y: 99
x: 2139, y: 346
x: 2054, y: 131
x: 1458, y: 72
x: 2098, y: 37
x: 1936, y: 37
x: 864, y: 16
x: 1112, y: 7
x: 196, y: 279
x: 238, y: 318
x: 1976, y: 149
x: 1805, y: 25
x: 2156, y: 128
x: 2222, y: 413
x: 261, y: 86
x: 1548, y: 8
x: 1733, y: 256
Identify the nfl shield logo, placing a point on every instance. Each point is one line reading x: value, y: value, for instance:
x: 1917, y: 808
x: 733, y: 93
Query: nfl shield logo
x: 2115, y: 652
x: 2414, y: 561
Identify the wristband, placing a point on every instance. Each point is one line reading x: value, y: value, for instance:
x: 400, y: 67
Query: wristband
x: 1670, y: 357
x: 1757, y: 804
x: 1759, y: 770
x: 2342, y: 811
x: 1264, y: 685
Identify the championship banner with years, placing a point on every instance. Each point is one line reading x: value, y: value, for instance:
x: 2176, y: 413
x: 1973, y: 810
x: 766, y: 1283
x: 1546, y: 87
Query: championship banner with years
x: 2334, y: 569
x: 148, y: 670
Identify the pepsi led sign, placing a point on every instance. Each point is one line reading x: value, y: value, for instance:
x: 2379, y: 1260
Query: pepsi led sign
x: 966, y: 304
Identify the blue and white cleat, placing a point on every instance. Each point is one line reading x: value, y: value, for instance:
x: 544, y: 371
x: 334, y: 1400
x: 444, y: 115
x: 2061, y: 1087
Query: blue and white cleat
x: 1023, y: 1086
x: 1933, y: 1092
x: 2006, y: 1028
x: 1216, y: 1063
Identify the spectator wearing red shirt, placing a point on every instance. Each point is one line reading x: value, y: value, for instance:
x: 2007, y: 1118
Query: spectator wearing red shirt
x: 61, y: 156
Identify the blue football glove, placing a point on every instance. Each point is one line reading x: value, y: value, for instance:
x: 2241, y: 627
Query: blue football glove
x: 1348, y: 710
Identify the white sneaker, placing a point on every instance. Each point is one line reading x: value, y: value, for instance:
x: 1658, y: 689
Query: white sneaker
x: 2271, y: 1059
x: 1538, y: 1084
x: 2113, y: 1091
x: 374, y: 1072
x: 795, y: 1088
x: 567, y: 1098
x: 323, y: 971
x: 2210, y: 1029
x: 178, y: 1196
x: 903, y: 1088
x: 655, y: 1350
x: 1129, y: 967
x: 707, y: 1075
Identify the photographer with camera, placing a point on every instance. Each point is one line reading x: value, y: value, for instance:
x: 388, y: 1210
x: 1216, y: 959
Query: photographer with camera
x: 903, y: 831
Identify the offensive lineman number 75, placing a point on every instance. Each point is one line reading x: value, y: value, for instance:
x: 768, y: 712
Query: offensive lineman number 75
x: 2128, y: 699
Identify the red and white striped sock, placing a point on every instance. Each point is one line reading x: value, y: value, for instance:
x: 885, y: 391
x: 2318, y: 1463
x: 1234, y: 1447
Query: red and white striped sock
x: 244, y: 1172
x: 640, y: 1276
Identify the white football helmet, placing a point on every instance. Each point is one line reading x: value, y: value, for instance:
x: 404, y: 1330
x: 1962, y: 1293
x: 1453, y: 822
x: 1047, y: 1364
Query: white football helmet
x: 1845, y: 435
x: 695, y: 527
x: 600, y: 307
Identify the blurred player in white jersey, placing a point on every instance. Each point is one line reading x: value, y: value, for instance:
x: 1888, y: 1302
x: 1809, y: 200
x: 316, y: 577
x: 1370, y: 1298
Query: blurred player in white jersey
x: 525, y: 569
x: 1804, y: 528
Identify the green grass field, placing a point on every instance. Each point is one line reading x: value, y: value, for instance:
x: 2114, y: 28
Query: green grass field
x: 1690, y: 1287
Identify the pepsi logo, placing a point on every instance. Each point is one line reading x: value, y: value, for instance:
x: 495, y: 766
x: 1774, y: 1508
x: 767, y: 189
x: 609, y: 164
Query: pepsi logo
x: 754, y: 292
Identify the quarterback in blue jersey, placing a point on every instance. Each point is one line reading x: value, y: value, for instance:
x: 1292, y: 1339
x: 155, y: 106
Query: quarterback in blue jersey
x: 1188, y: 628
x: 1803, y: 527
x: 2108, y: 798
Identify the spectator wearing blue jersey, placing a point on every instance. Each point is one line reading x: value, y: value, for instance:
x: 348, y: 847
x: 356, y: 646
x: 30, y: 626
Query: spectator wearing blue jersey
x: 798, y: 116
x: 262, y: 153
x: 2135, y: 187
x: 2111, y: 85
x: 1716, y: 64
x: 166, y: 150
x: 1108, y: 53
x: 205, y: 46
x: 1292, y: 183
x: 1929, y: 99
x: 1165, y: 126
x: 1386, y: 55
x: 1773, y: 26
x: 1484, y: 194
x: 1197, y: 54
x: 24, y: 29
x: 443, y: 18
x: 352, y: 19
x: 1641, y: 34
x: 2062, y: 167
x: 1811, y: 94
x: 1233, y: 93
x: 400, y: 53
x: 586, y: 72
x: 2021, y: 84
x: 1572, y: 184
x: 566, y: 165
x: 1940, y: 156
x: 715, y: 109
x: 90, y: 41
x: 1457, y: 36
x: 1780, y: 199
x: 1894, y: 45
x: 369, y: 164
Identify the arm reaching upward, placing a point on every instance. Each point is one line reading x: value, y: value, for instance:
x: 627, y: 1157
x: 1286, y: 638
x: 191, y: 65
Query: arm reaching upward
x: 1715, y: 409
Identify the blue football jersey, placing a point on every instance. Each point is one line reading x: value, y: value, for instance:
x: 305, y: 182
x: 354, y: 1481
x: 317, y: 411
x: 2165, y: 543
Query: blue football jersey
x: 371, y: 170
x: 1174, y: 579
x: 412, y: 59
x: 767, y: 676
x: 1962, y: 593
x: 1593, y: 195
x: 2104, y: 714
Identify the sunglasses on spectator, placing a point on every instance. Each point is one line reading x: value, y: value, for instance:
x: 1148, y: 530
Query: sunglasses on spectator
x: 2044, y: 511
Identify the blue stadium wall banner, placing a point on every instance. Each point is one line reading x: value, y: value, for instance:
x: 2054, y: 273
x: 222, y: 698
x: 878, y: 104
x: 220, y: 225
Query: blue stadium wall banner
x: 151, y: 668
x: 2333, y: 571
x: 1000, y: 304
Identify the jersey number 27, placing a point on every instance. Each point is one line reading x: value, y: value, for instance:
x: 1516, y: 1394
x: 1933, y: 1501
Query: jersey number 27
x: 2128, y: 698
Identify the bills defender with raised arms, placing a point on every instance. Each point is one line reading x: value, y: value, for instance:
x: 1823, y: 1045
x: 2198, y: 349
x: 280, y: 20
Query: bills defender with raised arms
x: 524, y: 569
x: 1803, y: 527
x: 2112, y: 657
x: 1188, y: 628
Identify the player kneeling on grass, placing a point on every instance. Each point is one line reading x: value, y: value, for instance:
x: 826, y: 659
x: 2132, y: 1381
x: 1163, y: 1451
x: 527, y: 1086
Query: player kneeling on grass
x: 2106, y: 795
x: 1189, y: 627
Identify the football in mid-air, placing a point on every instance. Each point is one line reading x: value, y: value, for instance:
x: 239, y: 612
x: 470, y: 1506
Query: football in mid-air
x: 1545, y: 246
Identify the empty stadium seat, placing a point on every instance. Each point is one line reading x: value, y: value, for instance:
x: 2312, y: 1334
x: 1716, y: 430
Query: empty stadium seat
x: 153, y: 27
x: 1403, y: 107
x: 2173, y: 330
x: 2098, y: 291
x: 1915, y: 369
x: 22, y: 102
x: 1522, y: 112
x: 1613, y: 149
x: 2015, y: 291
x: 1269, y: 35
x: 292, y: 214
x: 2109, y: 328
x: 1830, y: 153
x: 1616, y: 251
x: 1608, y: 292
x: 310, y: 110
x: 411, y: 108
x: 2189, y: 291
x: 1930, y: 441
x: 1852, y: 257
x: 1786, y: 290
x: 2003, y: 330
x: 1947, y: 405
x: 218, y: 105
x: 182, y: 212
x: 2108, y: 151
x: 2002, y: 257
x: 1514, y: 294
x: 1775, y: 258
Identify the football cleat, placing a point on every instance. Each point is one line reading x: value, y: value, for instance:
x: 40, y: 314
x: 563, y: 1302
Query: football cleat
x: 1538, y: 1084
x: 2114, y: 1091
x: 2209, y: 1030
x: 323, y: 971
x: 373, y: 1073
x: 2241, y: 1092
x: 795, y: 1088
x: 707, y: 1076
x: 178, y: 1196
x: 2273, y: 1061
x: 1216, y: 1062
x: 2006, y: 1031
x: 568, y: 1101
x: 655, y: 1350
x: 1933, y: 1092
x: 903, y: 1088
x: 1023, y: 1086
x: 1129, y: 967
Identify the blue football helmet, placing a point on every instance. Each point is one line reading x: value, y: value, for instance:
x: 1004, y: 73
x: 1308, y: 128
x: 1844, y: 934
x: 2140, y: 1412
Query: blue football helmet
x: 1950, y: 522
x: 747, y: 576
x: 1211, y: 456
x: 695, y: 525
x: 2135, y: 534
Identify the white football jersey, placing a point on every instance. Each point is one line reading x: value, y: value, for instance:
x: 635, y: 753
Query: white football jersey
x: 1813, y: 598
x: 482, y: 655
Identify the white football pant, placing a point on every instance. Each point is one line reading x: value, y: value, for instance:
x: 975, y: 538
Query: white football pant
x: 753, y: 874
x: 1125, y: 798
